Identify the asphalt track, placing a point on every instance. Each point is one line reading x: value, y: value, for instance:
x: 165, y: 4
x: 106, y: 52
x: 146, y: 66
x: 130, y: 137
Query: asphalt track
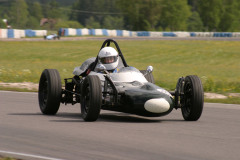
x: 27, y: 134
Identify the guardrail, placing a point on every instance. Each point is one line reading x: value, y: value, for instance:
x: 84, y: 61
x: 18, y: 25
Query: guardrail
x: 17, y: 33
x: 125, y: 33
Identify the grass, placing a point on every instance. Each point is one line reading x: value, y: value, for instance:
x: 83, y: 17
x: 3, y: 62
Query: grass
x: 215, y: 62
x: 229, y: 100
x: 7, y: 158
x: 17, y: 89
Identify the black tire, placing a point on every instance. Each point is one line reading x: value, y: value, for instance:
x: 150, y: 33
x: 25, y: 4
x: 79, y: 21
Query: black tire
x: 49, y: 91
x: 193, y: 98
x: 91, y: 98
x: 148, y: 76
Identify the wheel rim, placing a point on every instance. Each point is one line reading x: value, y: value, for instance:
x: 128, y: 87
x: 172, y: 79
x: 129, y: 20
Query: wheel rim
x: 86, y: 100
x: 43, y: 90
x: 187, y: 98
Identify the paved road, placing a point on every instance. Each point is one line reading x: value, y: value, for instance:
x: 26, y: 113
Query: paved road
x: 115, y: 136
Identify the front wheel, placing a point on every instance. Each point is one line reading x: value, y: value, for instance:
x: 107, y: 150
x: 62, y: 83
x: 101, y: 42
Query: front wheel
x: 91, y: 98
x: 49, y: 91
x: 193, y: 98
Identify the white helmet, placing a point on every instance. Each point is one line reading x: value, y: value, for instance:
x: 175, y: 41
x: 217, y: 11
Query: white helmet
x: 108, y: 56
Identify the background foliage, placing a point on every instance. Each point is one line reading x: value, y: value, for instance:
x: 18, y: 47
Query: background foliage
x: 149, y: 15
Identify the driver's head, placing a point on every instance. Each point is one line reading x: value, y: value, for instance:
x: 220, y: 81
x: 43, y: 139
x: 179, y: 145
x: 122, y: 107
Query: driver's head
x: 108, y: 56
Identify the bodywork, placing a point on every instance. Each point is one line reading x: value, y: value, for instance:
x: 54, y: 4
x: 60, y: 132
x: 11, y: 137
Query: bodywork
x: 129, y: 91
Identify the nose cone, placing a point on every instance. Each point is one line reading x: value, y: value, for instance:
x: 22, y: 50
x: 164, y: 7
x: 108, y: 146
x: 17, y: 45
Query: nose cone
x: 157, y: 105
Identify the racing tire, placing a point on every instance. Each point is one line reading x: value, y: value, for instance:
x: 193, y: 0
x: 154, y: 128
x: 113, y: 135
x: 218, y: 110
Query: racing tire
x: 49, y: 91
x: 192, y: 99
x: 91, y: 98
x: 148, y: 76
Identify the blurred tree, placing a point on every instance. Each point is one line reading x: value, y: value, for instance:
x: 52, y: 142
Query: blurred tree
x: 170, y: 15
x: 230, y: 17
x: 54, y: 11
x: 19, y: 14
x: 141, y: 15
x: 83, y: 10
x: 111, y: 22
x: 2, y: 24
x: 238, y: 16
x: 210, y: 13
x: 4, y: 9
x: 92, y: 23
x: 67, y: 24
x: 194, y: 22
x: 132, y: 11
x: 50, y: 9
x: 33, y: 23
x: 51, y: 13
x: 175, y: 14
x: 35, y: 10
x: 193, y: 4
x: 45, y: 7
x: 151, y: 12
x: 35, y: 15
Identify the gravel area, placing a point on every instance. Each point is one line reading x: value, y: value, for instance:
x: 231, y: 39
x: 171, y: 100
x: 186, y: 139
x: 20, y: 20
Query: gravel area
x: 24, y: 85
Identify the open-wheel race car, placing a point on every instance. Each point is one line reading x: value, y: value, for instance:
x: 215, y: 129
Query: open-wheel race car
x: 51, y: 37
x: 95, y: 85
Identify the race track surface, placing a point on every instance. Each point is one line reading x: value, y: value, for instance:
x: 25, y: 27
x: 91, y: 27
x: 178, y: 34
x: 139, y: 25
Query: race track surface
x: 27, y: 134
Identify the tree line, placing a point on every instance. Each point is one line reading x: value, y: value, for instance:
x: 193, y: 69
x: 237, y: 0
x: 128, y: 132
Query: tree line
x: 136, y: 15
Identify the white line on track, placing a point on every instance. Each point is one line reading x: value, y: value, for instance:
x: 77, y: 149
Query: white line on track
x: 29, y: 155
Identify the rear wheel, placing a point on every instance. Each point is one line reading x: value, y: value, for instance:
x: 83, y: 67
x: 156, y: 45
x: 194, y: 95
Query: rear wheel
x: 50, y: 91
x: 193, y: 98
x: 91, y: 98
x: 148, y: 76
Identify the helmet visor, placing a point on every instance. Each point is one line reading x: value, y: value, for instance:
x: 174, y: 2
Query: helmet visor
x: 107, y: 60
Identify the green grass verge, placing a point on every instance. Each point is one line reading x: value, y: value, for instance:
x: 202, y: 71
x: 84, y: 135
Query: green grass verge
x: 227, y: 101
x: 215, y: 62
x: 17, y: 89
x: 8, y: 158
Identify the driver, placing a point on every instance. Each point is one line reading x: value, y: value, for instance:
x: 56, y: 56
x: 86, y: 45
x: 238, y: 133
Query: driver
x: 109, y: 57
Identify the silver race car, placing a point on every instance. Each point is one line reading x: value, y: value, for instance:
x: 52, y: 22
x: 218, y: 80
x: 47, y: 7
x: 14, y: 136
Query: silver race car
x: 127, y: 90
x: 52, y: 37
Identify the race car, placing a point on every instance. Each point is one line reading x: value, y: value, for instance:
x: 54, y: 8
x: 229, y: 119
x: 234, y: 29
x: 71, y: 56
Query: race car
x: 52, y: 37
x: 126, y: 89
